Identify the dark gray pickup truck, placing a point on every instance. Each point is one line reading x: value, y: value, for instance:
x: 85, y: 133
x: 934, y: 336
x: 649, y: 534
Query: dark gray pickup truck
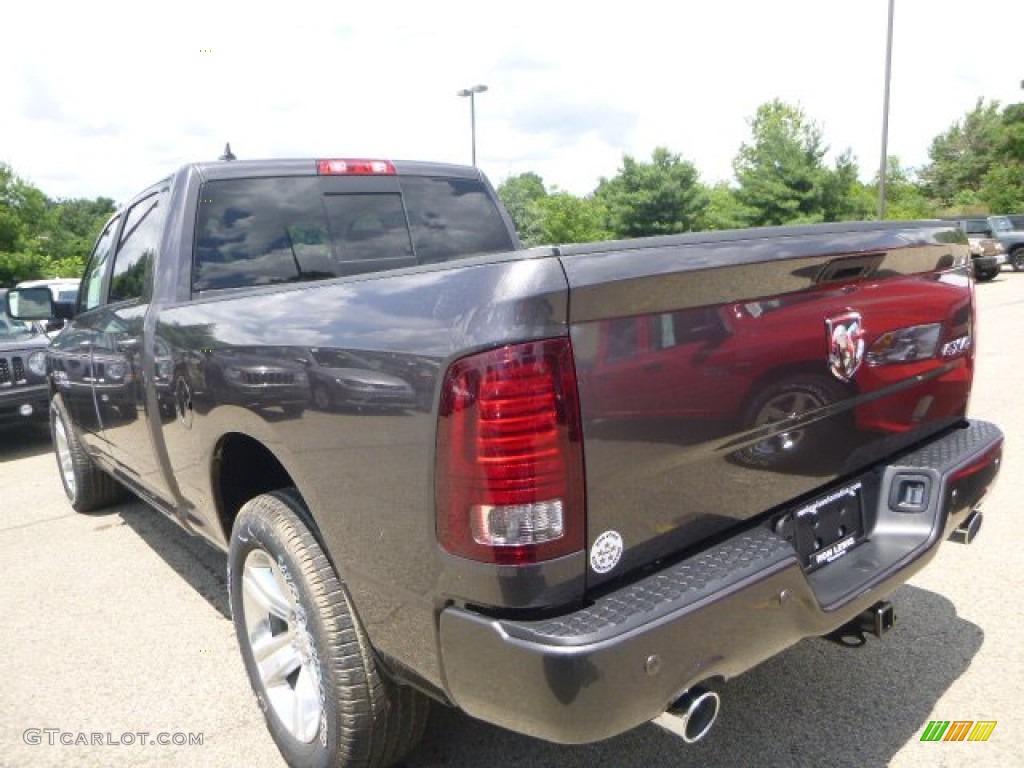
x: 567, y: 489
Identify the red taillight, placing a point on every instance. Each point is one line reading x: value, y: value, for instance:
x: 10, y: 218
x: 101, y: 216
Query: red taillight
x: 355, y: 168
x: 510, y: 457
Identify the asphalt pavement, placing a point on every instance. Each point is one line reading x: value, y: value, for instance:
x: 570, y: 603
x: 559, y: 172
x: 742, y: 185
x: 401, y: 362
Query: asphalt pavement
x: 115, y: 624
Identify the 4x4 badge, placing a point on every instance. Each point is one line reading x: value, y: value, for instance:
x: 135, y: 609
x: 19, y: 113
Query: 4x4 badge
x: 845, y: 335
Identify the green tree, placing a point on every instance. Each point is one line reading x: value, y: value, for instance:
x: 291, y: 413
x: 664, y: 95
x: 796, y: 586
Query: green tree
x: 905, y: 196
x: 843, y: 196
x: 961, y: 156
x: 565, y: 218
x: 1003, y: 190
x: 520, y: 194
x: 1003, y: 184
x: 781, y: 169
x: 724, y: 210
x: 22, y: 208
x: 40, y: 237
x: 73, y: 225
x: 656, y: 198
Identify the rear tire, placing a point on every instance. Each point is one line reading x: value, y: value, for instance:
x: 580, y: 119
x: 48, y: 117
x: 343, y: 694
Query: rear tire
x: 1017, y: 259
x: 325, y: 698
x: 87, y: 487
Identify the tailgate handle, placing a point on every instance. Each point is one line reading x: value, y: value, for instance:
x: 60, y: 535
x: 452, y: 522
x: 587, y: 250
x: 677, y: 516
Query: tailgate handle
x: 850, y: 268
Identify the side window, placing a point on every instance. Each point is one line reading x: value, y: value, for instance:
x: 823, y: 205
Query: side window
x: 685, y: 327
x: 92, y: 284
x: 133, y: 265
x: 623, y: 338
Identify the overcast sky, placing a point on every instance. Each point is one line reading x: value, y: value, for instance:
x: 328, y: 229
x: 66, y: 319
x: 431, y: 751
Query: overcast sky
x: 104, y: 98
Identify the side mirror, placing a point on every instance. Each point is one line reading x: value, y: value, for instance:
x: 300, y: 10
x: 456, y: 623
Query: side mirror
x: 30, y: 304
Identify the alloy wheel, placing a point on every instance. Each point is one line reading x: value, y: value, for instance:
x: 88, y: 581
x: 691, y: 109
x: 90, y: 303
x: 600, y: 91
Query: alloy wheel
x: 62, y: 446
x: 281, y: 646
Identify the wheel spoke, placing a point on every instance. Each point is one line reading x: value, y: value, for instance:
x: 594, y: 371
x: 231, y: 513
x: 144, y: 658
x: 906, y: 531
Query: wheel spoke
x: 307, y: 709
x: 773, y: 413
x: 261, y: 587
x: 803, y: 402
x: 280, y: 663
x: 265, y: 645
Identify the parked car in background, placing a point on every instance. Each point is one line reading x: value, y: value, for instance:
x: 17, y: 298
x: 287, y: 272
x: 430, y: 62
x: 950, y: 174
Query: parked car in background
x: 987, y: 257
x: 1012, y: 238
x: 258, y: 377
x: 24, y: 395
x: 987, y: 253
x: 341, y: 378
x: 64, y: 291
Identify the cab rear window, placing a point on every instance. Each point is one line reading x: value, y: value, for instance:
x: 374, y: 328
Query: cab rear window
x: 265, y: 231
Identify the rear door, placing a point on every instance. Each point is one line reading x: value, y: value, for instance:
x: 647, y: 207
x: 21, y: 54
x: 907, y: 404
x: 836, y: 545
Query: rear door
x: 125, y: 368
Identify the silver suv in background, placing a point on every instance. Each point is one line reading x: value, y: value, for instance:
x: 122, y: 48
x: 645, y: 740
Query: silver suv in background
x: 64, y: 291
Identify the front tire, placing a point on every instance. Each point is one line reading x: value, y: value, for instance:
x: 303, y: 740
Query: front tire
x: 325, y: 699
x: 779, y: 401
x: 983, y: 276
x: 322, y: 398
x: 88, y: 488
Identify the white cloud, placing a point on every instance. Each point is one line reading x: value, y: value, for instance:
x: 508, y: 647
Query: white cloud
x: 105, y: 98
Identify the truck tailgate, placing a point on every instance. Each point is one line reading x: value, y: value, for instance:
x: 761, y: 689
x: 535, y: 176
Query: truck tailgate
x: 724, y: 375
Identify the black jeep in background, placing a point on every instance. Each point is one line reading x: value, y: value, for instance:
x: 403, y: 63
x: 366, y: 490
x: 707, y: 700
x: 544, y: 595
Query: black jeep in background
x: 24, y: 395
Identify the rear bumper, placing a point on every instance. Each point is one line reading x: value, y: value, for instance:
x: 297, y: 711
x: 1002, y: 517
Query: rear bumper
x: 619, y: 662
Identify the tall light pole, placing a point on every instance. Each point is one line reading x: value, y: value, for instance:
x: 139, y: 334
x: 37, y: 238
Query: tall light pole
x: 884, y: 166
x: 472, y: 92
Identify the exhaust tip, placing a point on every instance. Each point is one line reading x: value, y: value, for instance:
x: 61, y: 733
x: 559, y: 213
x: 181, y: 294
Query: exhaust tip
x: 968, y: 529
x: 692, y: 715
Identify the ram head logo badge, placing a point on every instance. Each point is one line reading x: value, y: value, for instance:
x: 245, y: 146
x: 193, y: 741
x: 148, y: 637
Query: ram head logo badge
x: 845, y: 336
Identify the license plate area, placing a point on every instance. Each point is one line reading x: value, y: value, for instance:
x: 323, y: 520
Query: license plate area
x: 827, y: 528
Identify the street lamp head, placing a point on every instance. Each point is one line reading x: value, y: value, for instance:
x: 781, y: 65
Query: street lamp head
x: 471, y: 93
